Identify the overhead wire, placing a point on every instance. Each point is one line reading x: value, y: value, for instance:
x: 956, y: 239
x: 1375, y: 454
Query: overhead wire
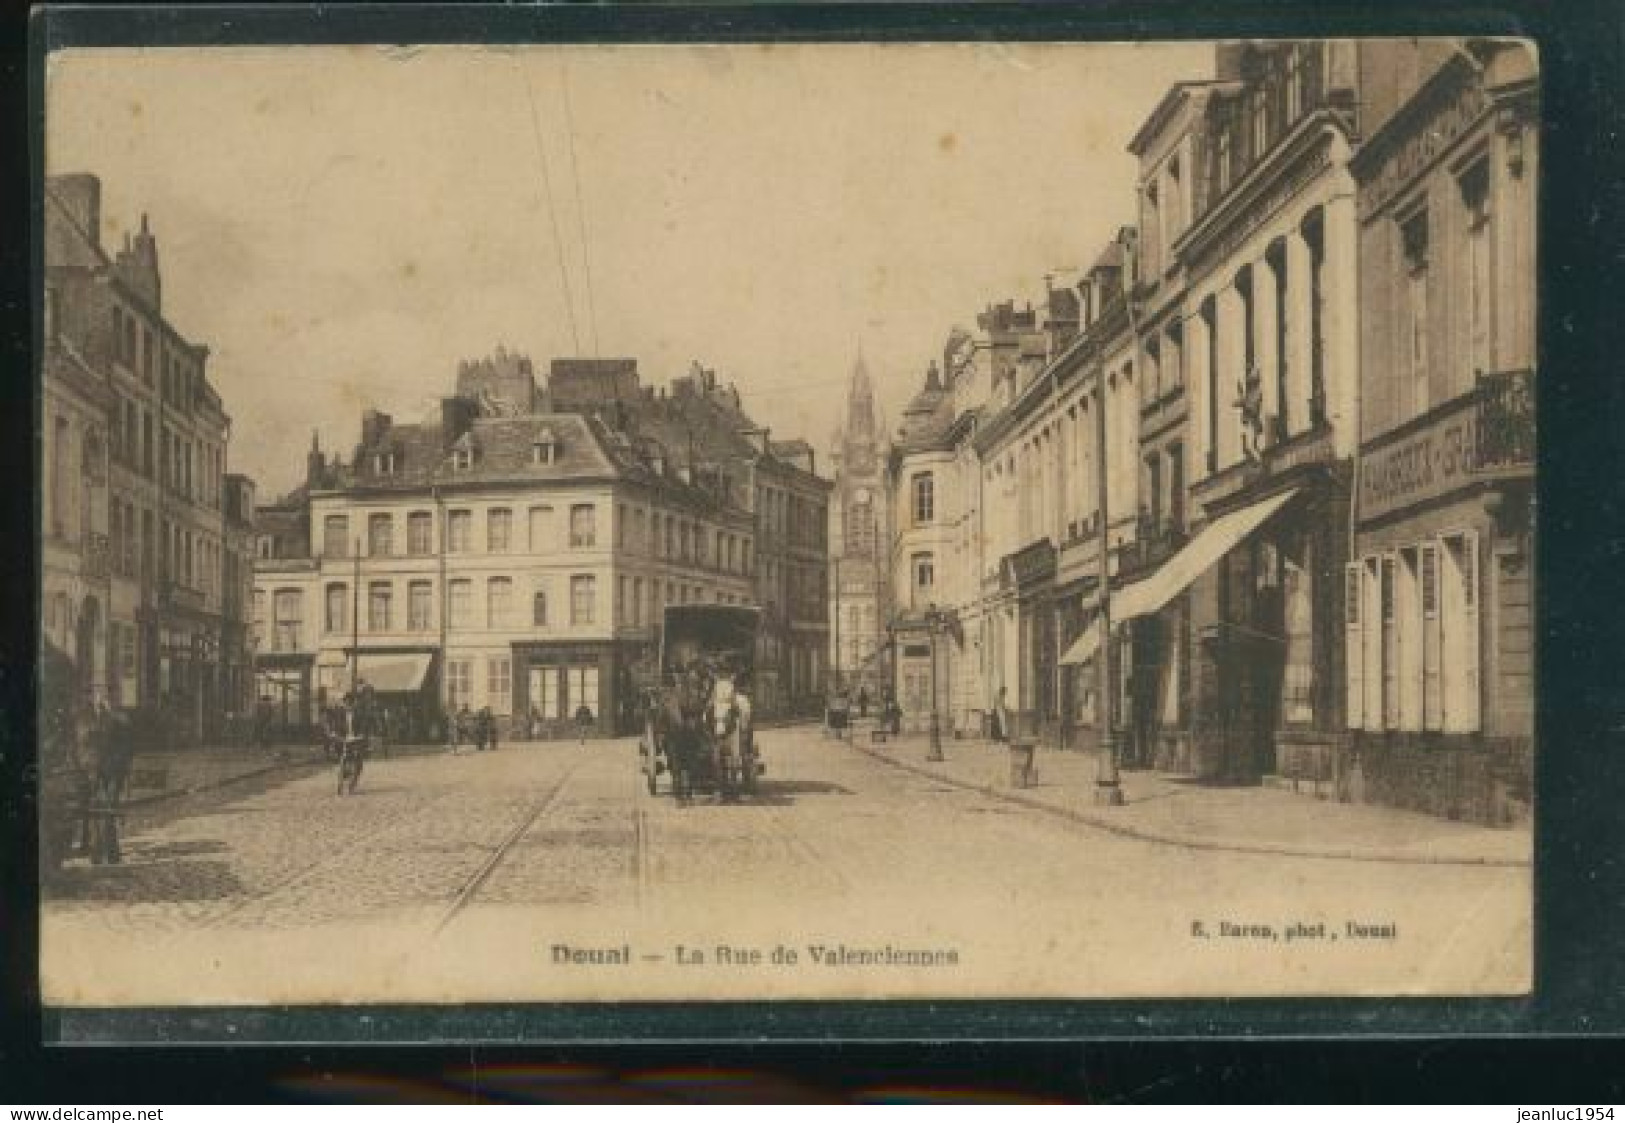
x: 552, y: 212
x: 581, y: 210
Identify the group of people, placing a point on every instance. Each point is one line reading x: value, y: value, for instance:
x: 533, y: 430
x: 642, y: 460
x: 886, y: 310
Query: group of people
x: 477, y: 729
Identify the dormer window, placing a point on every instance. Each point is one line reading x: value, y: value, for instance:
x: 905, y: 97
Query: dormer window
x: 462, y: 459
x: 383, y: 463
x: 546, y: 448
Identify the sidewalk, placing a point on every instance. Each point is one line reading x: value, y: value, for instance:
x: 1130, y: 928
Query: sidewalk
x: 171, y: 773
x: 1168, y: 809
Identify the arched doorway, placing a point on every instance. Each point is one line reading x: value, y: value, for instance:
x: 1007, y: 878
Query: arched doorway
x: 86, y: 647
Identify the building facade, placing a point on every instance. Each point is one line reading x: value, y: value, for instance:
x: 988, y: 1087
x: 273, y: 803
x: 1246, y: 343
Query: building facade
x: 519, y: 561
x: 705, y: 425
x: 150, y: 506
x: 860, y: 537
x: 1440, y: 589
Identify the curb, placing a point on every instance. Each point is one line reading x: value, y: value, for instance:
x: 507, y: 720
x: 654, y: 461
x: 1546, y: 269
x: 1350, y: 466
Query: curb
x: 1189, y: 842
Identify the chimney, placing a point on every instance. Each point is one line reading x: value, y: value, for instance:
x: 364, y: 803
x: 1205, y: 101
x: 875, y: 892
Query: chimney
x: 374, y: 424
x: 81, y: 196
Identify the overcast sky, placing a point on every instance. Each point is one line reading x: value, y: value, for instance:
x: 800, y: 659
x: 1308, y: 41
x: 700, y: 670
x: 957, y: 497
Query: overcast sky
x: 341, y: 225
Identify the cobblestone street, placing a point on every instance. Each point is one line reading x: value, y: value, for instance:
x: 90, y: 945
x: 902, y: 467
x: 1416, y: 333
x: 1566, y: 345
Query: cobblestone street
x: 463, y: 877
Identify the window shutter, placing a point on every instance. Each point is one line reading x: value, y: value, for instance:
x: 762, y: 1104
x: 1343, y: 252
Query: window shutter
x: 1471, y: 640
x: 1353, y: 646
x: 1372, y: 633
x: 1432, y: 656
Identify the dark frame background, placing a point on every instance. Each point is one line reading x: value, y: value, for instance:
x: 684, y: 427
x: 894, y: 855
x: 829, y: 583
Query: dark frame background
x: 1159, y: 1048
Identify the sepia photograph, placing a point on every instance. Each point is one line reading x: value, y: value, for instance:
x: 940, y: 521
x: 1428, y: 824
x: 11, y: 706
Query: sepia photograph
x: 607, y: 523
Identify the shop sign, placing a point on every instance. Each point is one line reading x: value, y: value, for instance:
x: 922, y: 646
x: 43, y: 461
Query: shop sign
x: 1428, y: 463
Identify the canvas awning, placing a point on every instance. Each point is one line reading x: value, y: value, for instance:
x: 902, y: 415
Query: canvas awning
x: 394, y: 674
x: 1084, y: 647
x: 1213, y: 542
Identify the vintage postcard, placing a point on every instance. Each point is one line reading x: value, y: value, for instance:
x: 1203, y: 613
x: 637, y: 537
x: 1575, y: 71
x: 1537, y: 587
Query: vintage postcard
x: 611, y: 522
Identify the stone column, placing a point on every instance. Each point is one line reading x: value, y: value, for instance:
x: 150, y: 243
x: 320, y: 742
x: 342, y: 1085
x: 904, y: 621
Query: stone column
x: 1264, y: 349
x: 1300, y: 342
x: 1196, y: 393
x: 1232, y: 359
x: 1340, y: 323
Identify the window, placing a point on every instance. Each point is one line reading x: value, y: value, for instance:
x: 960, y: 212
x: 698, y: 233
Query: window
x: 1432, y: 700
x: 1353, y: 646
x: 460, y: 604
x: 541, y: 529
x: 338, y: 609
x: 499, y: 530
x: 1259, y: 122
x: 380, y: 594
x: 538, y: 608
x: 419, y: 606
x: 581, y: 685
x: 59, y: 476
x: 583, y: 592
x: 126, y: 651
x: 1294, y: 83
x: 459, y: 527
x: 583, y: 526
x: 147, y: 450
x: 671, y: 537
x: 380, y: 535
x: 1414, y: 245
x: 637, y: 602
x: 460, y: 682
x: 420, y: 533
x: 620, y: 600
x: 925, y: 576
x: 383, y: 463
x: 498, y: 601
x: 1475, y: 199
x: 336, y: 536
x: 620, y: 526
x: 1389, y: 654
x: 1458, y: 606
x: 925, y: 503
x: 544, y: 451
x: 499, y: 684
x: 462, y: 459
x: 289, y: 608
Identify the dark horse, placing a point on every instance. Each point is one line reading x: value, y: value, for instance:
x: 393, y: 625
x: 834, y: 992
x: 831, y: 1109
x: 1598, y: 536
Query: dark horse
x: 679, y: 716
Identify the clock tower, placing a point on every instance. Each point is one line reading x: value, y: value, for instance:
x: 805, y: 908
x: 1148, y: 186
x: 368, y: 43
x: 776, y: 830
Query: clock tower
x: 860, y: 537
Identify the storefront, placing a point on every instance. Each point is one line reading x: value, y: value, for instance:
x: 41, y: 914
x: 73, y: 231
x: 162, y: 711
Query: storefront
x: 1440, y: 693
x: 553, y: 681
x: 1252, y: 599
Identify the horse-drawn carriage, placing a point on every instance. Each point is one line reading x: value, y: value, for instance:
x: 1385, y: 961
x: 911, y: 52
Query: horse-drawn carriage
x: 698, y: 727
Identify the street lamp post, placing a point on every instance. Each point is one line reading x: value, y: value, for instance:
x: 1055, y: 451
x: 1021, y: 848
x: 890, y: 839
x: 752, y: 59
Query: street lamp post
x: 1108, y: 785
x: 933, y: 618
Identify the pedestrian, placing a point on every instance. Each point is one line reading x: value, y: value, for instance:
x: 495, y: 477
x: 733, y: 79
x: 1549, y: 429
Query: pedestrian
x: 863, y: 702
x: 111, y: 758
x: 535, y: 724
x: 583, y: 723
x: 482, y: 729
x: 1001, y: 718
x: 462, y: 728
x: 490, y: 730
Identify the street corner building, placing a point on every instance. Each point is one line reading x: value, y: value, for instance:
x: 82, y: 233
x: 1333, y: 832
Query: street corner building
x: 517, y: 550
x: 1278, y: 437
x: 146, y: 533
